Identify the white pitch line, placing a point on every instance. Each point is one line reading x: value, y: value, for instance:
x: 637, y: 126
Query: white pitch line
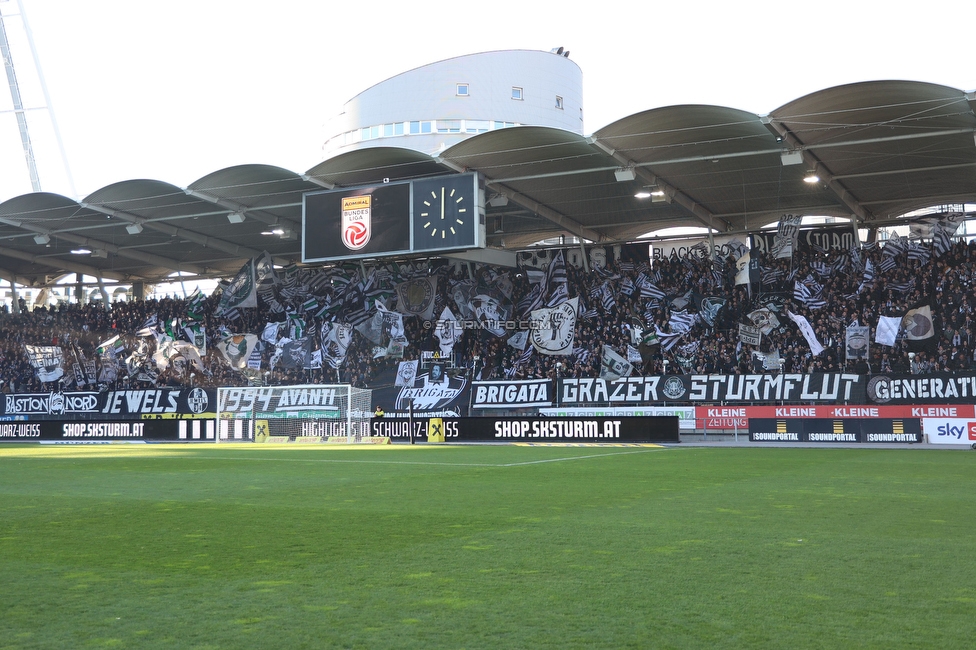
x: 410, y: 462
x: 556, y: 460
x: 340, y: 460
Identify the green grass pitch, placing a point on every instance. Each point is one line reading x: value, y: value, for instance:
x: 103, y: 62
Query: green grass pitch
x: 486, y: 547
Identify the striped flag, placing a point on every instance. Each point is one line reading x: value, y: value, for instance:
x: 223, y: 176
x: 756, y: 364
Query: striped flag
x: 886, y: 264
x: 606, y: 298
x: 648, y: 289
x: 626, y: 286
x: 682, y: 321
x: 902, y: 287
x: 941, y: 242
x: 895, y: 245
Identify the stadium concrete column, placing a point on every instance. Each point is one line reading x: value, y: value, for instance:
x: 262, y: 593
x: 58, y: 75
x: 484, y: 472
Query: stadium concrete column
x: 101, y: 290
x: 14, y: 298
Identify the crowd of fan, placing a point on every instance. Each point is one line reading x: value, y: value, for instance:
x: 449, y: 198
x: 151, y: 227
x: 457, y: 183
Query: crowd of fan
x: 945, y: 283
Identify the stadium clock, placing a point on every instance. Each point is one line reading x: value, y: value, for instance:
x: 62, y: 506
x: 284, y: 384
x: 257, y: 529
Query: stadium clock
x: 445, y: 213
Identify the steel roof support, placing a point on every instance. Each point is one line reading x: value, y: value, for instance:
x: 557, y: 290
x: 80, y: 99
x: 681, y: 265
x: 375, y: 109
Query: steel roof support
x: 234, y: 206
x: 817, y: 167
x: 570, y: 225
x: 139, y: 255
x: 702, y: 214
x: 195, y: 237
x: 59, y: 264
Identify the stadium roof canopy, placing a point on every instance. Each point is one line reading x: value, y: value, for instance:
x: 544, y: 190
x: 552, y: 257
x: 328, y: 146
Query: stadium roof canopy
x: 880, y: 149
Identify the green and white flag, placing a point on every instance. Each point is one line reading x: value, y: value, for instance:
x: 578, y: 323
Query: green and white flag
x: 195, y: 305
x: 196, y: 333
x: 178, y: 353
x: 242, y: 290
x: 236, y: 349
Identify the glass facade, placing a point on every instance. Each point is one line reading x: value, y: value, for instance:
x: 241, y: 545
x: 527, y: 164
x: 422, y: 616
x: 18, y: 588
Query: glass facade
x: 418, y: 127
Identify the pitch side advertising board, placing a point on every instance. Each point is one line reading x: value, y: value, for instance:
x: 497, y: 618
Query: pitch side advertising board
x: 91, y: 431
x: 950, y: 431
x: 685, y: 414
x: 537, y: 429
x: 866, y: 430
x: 737, y: 417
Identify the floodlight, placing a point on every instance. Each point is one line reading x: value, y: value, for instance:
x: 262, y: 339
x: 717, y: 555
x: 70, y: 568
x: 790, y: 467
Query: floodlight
x: 793, y: 157
x: 624, y: 175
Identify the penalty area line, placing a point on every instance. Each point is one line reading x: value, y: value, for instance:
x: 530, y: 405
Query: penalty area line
x: 410, y: 462
x: 588, y: 456
x: 339, y: 460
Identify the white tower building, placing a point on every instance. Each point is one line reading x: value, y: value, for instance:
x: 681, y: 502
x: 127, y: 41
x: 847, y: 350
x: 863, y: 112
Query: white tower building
x: 435, y: 106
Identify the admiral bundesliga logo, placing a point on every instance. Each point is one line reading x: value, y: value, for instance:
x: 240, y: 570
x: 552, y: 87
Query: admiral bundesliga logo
x: 356, y: 228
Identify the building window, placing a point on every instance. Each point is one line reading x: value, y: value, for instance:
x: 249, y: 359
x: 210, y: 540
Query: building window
x: 398, y: 128
x: 462, y: 90
x: 476, y: 126
x: 516, y: 92
x: 448, y: 126
x: 559, y: 102
x: 414, y: 128
x: 387, y: 130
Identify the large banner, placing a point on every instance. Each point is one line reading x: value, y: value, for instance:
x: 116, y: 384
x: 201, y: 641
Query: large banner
x: 833, y: 238
x: 512, y: 394
x: 724, y: 246
x: 934, y: 388
x: 283, y: 402
x: 714, y: 388
x: 434, y: 393
x: 135, y: 404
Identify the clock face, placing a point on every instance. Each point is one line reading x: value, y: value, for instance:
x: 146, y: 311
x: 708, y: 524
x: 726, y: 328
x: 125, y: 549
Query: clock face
x: 444, y: 213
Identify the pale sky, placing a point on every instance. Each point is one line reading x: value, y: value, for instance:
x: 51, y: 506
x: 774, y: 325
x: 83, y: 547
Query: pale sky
x: 176, y: 90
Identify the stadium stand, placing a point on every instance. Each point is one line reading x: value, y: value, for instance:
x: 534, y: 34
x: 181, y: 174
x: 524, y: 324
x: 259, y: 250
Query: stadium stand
x: 682, y: 315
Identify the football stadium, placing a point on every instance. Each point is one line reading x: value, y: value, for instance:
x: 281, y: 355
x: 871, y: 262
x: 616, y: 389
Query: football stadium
x: 702, y: 378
